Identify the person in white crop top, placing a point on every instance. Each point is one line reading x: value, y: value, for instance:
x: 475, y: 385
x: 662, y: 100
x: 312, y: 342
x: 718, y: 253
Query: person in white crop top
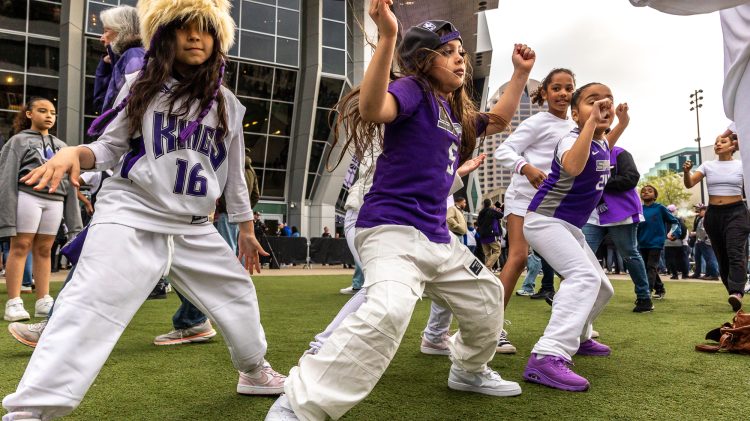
x: 727, y: 220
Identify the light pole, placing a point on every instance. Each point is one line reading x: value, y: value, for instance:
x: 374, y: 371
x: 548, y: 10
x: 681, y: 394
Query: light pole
x: 695, y: 99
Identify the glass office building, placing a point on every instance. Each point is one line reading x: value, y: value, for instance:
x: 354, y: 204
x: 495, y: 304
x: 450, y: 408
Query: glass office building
x: 291, y: 62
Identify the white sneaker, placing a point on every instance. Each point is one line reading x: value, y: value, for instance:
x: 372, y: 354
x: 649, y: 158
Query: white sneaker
x: 348, y: 291
x: 14, y: 311
x: 487, y: 382
x: 281, y: 410
x: 43, y: 306
x: 594, y: 334
x: 21, y: 416
x: 26, y: 290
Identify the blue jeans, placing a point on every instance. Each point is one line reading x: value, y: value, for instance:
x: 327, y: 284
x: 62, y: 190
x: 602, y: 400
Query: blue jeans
x: 27, y: 280
x: 625, y: 239
x: 704, y: 251
x: 359, y: 277
x: 534, y: 266
x: 227, y: 230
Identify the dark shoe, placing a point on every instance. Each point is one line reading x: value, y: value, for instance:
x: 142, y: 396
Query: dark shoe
x: 541, y: 295
x: 695, y: 276
x: 159, y: 292
x: 549, y: 299
x: 660, y: 295
x: 735, y: 300
x: 643, y: 305
x: 709, y: 278
x: 673, y: 277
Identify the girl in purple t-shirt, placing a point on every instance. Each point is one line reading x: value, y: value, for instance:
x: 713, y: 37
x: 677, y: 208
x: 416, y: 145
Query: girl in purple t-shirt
x: 430, y: 126
x: 580, y: 170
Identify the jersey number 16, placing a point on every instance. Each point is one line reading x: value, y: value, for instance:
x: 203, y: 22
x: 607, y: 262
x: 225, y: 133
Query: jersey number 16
x: 197, y: 185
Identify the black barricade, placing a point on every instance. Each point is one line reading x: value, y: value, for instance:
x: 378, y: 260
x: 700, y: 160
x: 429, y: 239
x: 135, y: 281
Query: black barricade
x: 332, y: 251
x: 286, y: 250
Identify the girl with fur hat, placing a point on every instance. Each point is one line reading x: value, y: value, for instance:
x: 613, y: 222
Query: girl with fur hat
x: 175, y: 139
x: 430, y: 127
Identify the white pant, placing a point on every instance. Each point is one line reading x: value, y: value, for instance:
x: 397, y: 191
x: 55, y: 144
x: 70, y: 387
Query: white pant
x: 582, y: 295
x: 399, y: 264
x: 37, y: 215
x: 118, y: 268
x: 742, y: 123
x: 350, y: 222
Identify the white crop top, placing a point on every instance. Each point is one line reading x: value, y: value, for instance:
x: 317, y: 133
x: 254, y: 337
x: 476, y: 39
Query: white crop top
x: 723, y: 178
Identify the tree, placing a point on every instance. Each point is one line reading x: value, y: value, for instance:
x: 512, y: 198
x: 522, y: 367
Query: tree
x: 670, y: 187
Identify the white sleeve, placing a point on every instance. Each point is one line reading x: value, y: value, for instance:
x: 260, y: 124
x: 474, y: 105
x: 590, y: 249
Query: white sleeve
x: 235, y: 191
x: 115, y: 141
x: 688, y: 7
x: 457, y: 184
x: 509, y: 152
x: 701, y: 169
x: 564, y: 145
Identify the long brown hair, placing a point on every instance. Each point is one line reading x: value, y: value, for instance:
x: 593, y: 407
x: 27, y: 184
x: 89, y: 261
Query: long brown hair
x: 21, y: 122
x: 364, y: 136
x: 199, y: 85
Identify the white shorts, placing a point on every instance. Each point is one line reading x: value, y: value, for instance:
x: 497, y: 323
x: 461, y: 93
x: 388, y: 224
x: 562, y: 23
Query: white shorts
x: 516, y: 203
x: 36, y: 215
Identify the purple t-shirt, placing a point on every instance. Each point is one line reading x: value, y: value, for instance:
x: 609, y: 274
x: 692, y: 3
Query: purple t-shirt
x: 415, y: 172
x: 570, y: 198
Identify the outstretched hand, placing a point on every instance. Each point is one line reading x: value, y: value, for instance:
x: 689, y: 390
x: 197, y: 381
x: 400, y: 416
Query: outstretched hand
x: 249, y: 251
x: 523, y: 57
x: 51, y: 173
x: 471, y: 164
x: 382, y: 15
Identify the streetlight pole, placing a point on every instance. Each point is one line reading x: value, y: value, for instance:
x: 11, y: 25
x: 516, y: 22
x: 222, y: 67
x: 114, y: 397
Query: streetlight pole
x: 695, y: 99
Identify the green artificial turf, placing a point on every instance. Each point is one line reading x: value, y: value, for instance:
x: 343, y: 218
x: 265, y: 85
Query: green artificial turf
x: 652, y: 374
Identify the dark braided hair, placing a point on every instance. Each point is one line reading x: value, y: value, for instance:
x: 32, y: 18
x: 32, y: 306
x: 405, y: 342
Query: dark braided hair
x: 536, y: 96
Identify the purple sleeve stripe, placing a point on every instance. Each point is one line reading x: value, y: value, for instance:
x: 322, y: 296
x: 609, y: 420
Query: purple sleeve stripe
x: 132, y: 157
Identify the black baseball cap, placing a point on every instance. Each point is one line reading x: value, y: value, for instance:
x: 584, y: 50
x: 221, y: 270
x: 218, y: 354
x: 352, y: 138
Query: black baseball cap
x: 425, y: 36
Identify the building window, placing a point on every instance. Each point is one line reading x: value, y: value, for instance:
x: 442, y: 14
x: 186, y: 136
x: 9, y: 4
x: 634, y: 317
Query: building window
x: 29, y: 56
x: 268, y: 31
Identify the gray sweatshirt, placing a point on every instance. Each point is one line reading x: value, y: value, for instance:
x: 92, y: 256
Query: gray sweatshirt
x: 21, y: 154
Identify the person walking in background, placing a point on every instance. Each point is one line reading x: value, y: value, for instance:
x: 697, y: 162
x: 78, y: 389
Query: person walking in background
x: 652, y: 232
x: 674, y: 253
x: 727, y: 220
x: 488, y: 227
x: 704, y: 252
x: 456, y: 219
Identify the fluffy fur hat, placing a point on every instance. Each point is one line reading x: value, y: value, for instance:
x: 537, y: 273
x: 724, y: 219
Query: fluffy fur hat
x: 211, y: 13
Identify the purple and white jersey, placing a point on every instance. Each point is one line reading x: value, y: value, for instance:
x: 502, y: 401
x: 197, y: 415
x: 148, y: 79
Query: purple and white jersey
x: 415, y: 171
x: 161, y: 185
x: 570, y: 198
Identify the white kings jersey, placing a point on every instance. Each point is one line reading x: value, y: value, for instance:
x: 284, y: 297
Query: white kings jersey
x: 162, y: 186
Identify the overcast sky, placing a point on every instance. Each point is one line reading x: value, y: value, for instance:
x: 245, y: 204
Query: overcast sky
x: 652, y: 61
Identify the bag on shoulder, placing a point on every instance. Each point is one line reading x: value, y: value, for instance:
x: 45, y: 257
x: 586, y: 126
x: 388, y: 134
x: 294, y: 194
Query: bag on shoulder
x: 734, y: 337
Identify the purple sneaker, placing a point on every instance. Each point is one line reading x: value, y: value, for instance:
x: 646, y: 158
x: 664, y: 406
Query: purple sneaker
x: 593, y: 348
x: 554, y: 371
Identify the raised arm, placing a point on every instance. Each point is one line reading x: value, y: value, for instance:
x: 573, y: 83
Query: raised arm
x: 523, y: 60
x: 574, y: 160
x: 690, y: 178
x: 375, y: 103
x: 623, y: 119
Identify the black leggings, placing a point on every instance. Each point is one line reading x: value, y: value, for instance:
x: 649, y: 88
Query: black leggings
x: 728, y: 227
